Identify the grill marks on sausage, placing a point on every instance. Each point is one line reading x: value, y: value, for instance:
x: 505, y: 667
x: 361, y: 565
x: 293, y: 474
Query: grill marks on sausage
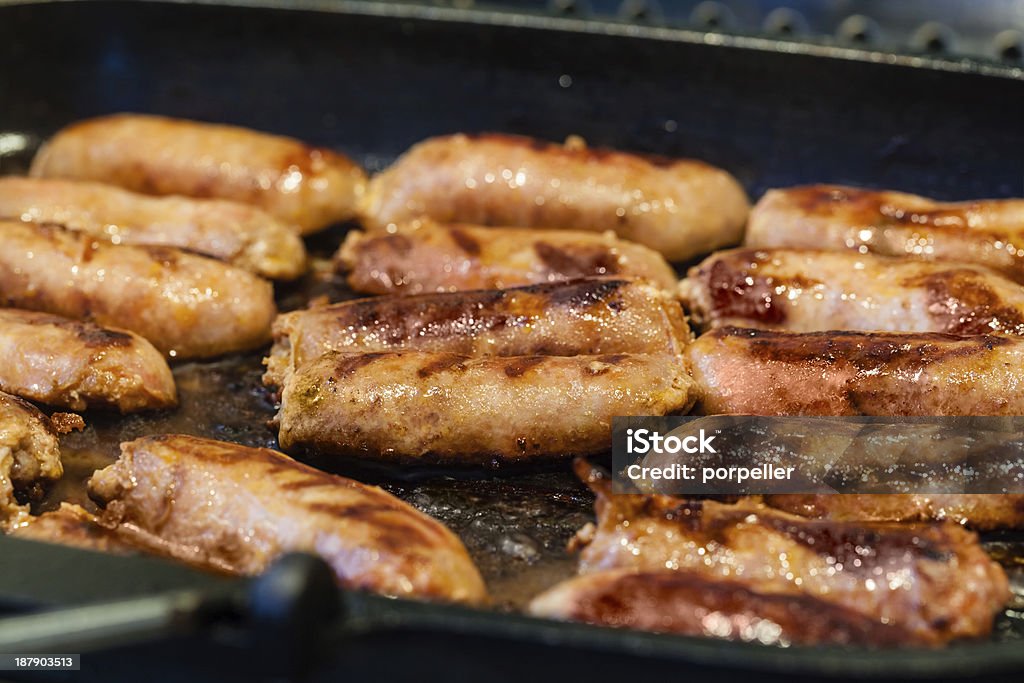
x: 737, y: 291
x: 397, y: 320
x: 465, y: 241
x: 514, y: 366
x: 97, y: 337
x: 579, y: 261
x: 604, y: 364
x: 167, y: 256
x: 297, y: 475
x: 396, y: 531
x: 951, y: 588
x: 347, y: 365
x: 417, y: 316
x: 863, y: 351
x: 520, y: 365
x: 613, y: 358
x: 847, y: 542
x: 675, y: 601
x: 839, y: 541
x: 871, y: 208
x: 91, y: 335
x: 964, y: 304
x: 443, y: 363
x: 586, y: 293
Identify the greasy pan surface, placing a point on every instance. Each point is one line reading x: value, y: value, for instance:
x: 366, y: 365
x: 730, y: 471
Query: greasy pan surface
x: 371, y: 86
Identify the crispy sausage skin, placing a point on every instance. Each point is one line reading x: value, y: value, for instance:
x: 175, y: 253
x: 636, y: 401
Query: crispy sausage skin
x: 680, y: 208
x: 424, y: 256
x: 29, y: 456
x: 809, y: 290
x: 235, y: 509
x: 983, y: 512
x: 445, y: 407
x: 689, y: 604
x: 590, y: 316
x: 79, y: 365
x: 984, y: 232
x: 237, y: 233
x: 307, y: 187
x: 187, y: 306
x: 934, y: 581
x: 762, y: 372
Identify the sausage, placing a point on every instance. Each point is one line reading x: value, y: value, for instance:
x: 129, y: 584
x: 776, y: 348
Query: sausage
x: 980, y: 511
x: 762, y: 372
x: 187, y: 306
x: 427, y: 257
x: 687, y: 603
x: 807, y: 290
x: 237, y: 233
x: 29, y: 456
x: 934, y: 581
x: 308, y: 187
x: 680, y: 208
x: 73, y: 526
x: 77, y: 365
x: 445, y: 407
x: 944, y: 454
x: 236, y: 509
x: 985, y: 232
x: 592, y: 316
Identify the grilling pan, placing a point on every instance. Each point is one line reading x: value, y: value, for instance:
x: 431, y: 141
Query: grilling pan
x: 370, y: 79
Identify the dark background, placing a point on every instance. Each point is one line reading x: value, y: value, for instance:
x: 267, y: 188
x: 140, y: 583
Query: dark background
x: 371, y: 86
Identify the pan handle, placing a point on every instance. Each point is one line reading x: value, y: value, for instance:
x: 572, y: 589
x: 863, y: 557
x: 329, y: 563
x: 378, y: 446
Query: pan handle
x: 110, y: 624
x: 287, y: 610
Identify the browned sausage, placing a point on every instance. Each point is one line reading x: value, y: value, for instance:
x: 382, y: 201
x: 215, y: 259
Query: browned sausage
x: 187, y: 306
x: 308, y: 187
x: 237, y: 233
x: 808, y: 290
x: 680, y: 208
x: 235, y: 509
x: 444, y: 407
x: 591, y: 316
x: 762, y: 372
x: 934, y: 581
x: 428, y: 257
x: 985, y: 232
x: 77, y: 365
x: 690, y: 604
x: 975, y: 510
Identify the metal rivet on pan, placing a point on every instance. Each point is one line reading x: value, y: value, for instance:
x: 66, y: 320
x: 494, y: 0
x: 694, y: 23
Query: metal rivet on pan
x: 1009, y: 46
x: 785, y: 22
x: 933, y: 37
x: 646, y: 11
x: 712, y: 15
x: 859, y: 29
x: 569, y: 8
